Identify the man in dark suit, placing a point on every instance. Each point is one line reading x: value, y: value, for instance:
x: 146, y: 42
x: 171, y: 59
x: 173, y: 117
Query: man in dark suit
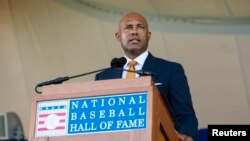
x: 134, y: 35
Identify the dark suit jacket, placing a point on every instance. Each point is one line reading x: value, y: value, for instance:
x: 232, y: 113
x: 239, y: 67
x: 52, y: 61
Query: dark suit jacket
x: 174, y: 91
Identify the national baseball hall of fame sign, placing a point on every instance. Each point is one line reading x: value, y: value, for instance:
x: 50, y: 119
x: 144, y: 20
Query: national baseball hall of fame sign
x: 91, y: 115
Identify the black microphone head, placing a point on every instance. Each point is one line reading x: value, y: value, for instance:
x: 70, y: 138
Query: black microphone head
x: 118, y: 62
x: 122, y: 61
x: 114, y: 62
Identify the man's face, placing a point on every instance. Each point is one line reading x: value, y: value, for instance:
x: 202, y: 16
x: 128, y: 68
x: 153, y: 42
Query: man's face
x: 133, y: 34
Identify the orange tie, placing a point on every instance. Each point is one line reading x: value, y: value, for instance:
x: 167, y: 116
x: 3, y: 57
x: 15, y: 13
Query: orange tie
x: 132, y: 64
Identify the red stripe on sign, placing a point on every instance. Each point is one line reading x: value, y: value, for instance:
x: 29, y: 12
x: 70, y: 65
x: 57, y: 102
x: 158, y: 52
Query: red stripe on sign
x: 58, y: 114
x: 62, y: 120
x: 41, y: 122
x: 60, y: 128
x: 57, y: 128
x: 42, y: 129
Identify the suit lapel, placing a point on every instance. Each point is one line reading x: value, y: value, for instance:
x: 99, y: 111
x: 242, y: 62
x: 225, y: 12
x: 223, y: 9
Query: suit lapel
x: 150, y: 64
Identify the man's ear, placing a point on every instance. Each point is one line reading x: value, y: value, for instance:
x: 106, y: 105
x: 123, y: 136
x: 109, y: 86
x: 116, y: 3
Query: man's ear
x: 149, y: 35
x: 118, y: 36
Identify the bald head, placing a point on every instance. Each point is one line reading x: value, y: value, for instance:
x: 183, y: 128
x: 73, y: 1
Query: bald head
x: 130, y: 16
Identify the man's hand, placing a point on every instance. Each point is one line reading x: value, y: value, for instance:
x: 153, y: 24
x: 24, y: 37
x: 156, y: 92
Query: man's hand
x: 184, y: 137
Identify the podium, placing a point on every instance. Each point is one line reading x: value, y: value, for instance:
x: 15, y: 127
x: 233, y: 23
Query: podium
x: 105, y: 110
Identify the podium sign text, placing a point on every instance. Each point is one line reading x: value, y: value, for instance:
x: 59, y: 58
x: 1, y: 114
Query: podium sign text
x: 91, y: 115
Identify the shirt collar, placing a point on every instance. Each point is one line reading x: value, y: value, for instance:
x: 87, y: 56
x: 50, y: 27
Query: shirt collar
x: 140, y: 59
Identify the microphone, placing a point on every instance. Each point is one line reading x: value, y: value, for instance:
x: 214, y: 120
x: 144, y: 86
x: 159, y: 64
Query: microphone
x: 118, y: 62
x: 115, y: 64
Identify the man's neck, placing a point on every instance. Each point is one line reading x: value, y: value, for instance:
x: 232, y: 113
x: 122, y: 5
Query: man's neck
x: 133, y: 56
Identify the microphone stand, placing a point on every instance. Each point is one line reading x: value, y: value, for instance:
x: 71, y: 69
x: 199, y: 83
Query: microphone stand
x: 60, y: 80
